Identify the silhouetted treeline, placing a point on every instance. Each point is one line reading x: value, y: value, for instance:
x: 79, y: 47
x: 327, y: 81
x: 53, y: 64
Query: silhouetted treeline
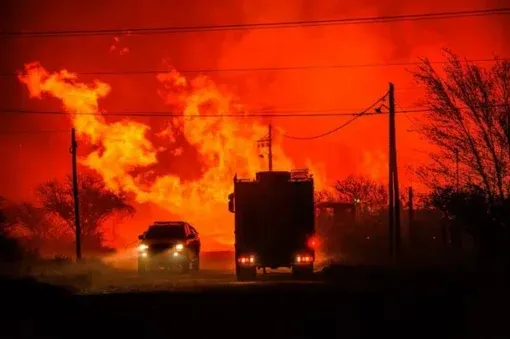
x: 360, y: 233
x: 10, y: 247
x: 467, y: 209
x: 46, y: 228
x: 469, y: 173
x: 448, y: 221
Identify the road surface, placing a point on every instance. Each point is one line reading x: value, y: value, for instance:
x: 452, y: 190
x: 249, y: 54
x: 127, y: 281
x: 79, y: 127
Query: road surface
x: 217, y: 271
x: 206, y: 279
x: 211, y: 303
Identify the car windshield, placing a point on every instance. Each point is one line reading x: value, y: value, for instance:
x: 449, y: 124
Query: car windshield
x: 174, y: 231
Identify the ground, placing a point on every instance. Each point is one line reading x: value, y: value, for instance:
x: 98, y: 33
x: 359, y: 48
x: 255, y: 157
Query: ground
x: 337, y: 302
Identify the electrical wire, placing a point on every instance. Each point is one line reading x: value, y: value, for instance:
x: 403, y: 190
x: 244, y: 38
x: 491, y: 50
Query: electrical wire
x: 354, y: 115
x: 268, y: 69
x: 266, y: 25
x: 407, y: 116
x: 345, y: 124
x: 33, y: 132
x: 334, y: 112
x: 295, y: 114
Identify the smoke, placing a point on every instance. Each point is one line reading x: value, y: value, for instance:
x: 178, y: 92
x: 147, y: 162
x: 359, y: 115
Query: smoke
x: 359, y: 148
x: 351, y: 88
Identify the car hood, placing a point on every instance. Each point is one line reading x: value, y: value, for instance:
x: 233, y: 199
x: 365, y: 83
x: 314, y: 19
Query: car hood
x: 169, y: 242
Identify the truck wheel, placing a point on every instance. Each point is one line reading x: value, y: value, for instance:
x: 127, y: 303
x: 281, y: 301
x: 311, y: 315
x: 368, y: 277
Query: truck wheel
x: 186, y: 266
x: 246, y: 273
x: 195, y: 265
x: 142, y: 268
x: 302, y: 272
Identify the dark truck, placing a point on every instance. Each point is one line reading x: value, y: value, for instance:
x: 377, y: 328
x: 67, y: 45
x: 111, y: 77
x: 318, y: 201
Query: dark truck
x: 168, y: 245
x: 274, y: 222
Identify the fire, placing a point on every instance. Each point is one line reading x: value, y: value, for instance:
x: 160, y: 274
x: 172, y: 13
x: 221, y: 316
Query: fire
x: 375, y: 165
x: 125, y: 155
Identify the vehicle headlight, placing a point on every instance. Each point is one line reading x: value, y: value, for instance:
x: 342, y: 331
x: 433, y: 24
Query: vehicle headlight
x: 143, y: 248
x: 179, y: 247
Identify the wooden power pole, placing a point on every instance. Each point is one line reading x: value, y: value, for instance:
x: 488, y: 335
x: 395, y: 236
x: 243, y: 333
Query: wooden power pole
x: 268, y: 142
x: 77, y: 225
x: 391, y: 192
x: 394, y: 192
x: 270, y: 147
x: 457, y: 169
x: 508, y: 132
x: 411, y: 215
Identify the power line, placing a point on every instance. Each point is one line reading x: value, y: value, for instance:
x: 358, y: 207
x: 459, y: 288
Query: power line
x: 333, y: 111
x: 342, y: 125
x: 365, y: 112
x: 403, y: 110
x: 32, y: 132
x: 295, y: 114
x: 266, y: 25
x: 354, y: 115
x: 267, y: 69
x: 258, y: 114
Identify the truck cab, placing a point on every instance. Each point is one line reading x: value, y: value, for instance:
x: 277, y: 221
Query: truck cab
x: 274, y: 222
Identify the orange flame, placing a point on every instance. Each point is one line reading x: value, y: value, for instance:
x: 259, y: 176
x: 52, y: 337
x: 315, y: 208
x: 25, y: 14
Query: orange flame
x: 226, y: 145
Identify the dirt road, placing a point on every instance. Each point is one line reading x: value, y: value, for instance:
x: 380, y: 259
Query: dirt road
x: 167, y: 282
x: 366, y: 303
x: 217, y: 271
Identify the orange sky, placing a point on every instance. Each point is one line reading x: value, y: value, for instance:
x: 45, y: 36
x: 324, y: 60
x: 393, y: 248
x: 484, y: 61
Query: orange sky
x: 359, y: 148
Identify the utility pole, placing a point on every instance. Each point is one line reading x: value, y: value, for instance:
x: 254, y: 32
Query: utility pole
x: 77, y: 225
x: 268, y: 142
x: 457, y: 170
x: 508, y: 132
x: 270, y: 147
x: 411, y: 215
x: 394, y: 186
x: 396, y: 194
x: 391, y: 192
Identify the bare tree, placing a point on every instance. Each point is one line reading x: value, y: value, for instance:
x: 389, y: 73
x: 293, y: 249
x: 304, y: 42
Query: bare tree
x: 97, y: 203
x: 324, y: 196
x: 468, y: 122
x: 36, y: 226
x: 362, y: 190
x: 10, y: 248
x: 4, y: 221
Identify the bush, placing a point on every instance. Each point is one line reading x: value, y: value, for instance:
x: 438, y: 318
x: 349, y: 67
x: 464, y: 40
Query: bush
x: 10, y: 249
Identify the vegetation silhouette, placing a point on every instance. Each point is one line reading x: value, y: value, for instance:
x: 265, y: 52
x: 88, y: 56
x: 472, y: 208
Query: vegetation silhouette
x: 48, y: 226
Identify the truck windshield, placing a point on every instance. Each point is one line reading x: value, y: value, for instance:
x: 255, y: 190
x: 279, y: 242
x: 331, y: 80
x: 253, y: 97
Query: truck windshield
x: 174, y: 232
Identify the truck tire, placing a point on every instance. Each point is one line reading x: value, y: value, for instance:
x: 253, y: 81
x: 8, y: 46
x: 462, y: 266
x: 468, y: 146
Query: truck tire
x: 142, y: 269
x: 302, y: 272
x: 186, y: 266
x: 195, y: 264
x: 246, y: 273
